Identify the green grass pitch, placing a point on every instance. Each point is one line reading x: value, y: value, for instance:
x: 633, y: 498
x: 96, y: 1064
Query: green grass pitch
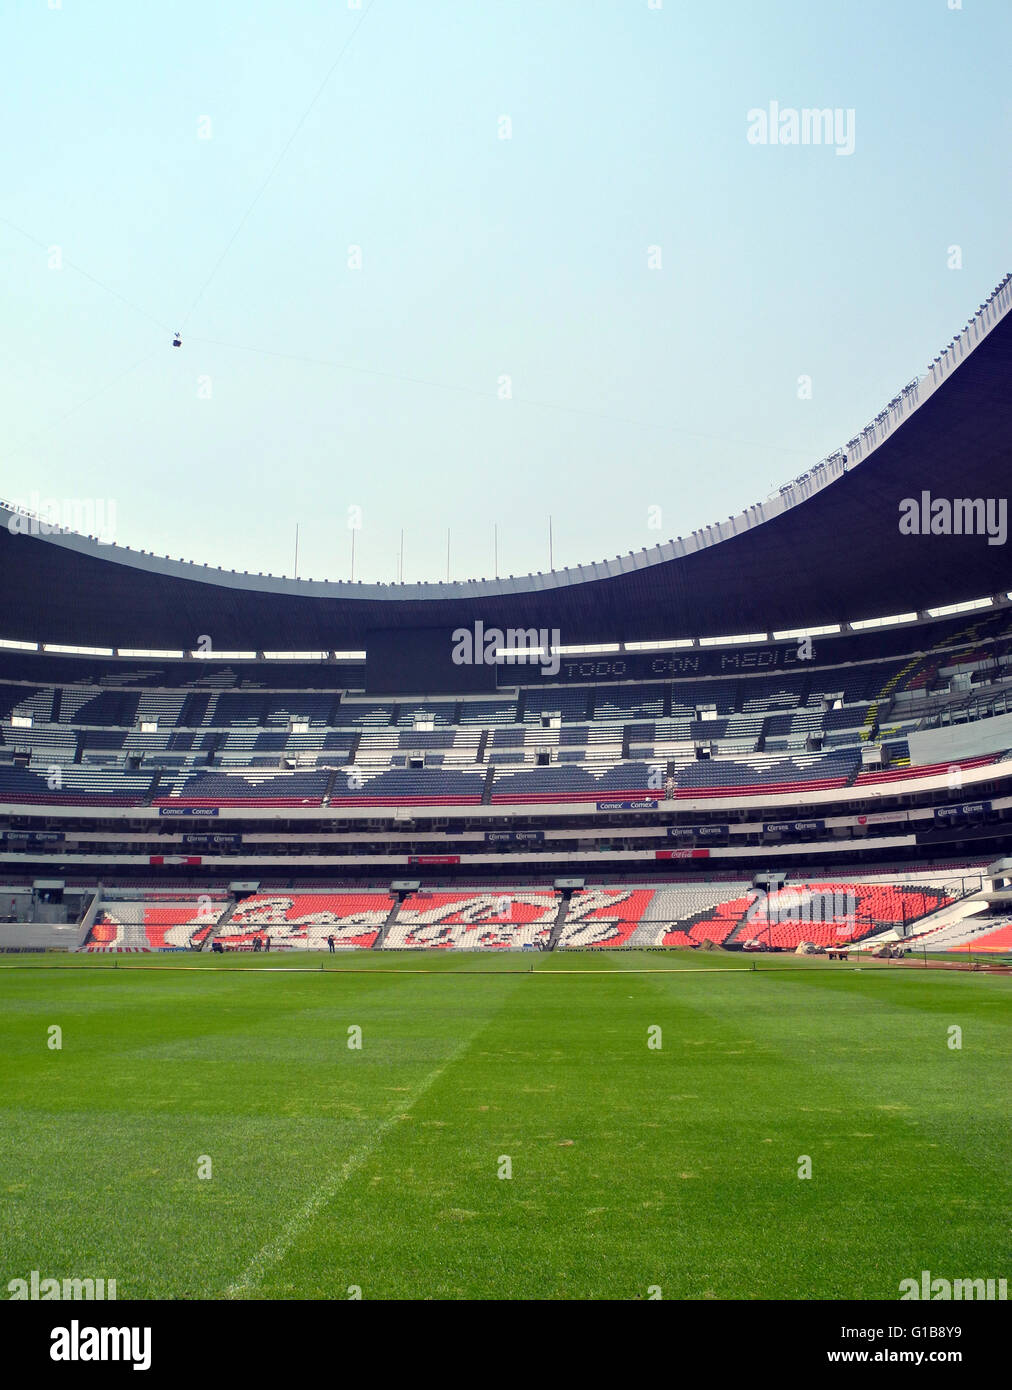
x: 336, y: 1169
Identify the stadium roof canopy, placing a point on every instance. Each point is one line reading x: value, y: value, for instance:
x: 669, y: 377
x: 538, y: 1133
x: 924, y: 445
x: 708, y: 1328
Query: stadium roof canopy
x: 826, y: 549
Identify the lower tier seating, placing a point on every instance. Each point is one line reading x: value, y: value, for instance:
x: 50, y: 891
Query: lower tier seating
x: 471, y: 921
x: 138, y: 926
x: 304, y: 921
x: 728, y: 912
x: 827, y: 914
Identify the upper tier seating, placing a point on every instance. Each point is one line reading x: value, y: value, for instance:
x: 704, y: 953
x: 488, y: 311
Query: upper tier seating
x: 219, y: 736
x: 77, y: 786
x: 413, y: 712
x: 236, y: 788
x: 760, y: 771
x: 364, y: 714
x: 430, y: 786
x: 628, y: 702
x: 101, y: 709
x: 569, y: 702
x: 488, y: 713
x: 893, y: 774
x: 773, y: 693
x: 688, y: 696
x: 573, y: 782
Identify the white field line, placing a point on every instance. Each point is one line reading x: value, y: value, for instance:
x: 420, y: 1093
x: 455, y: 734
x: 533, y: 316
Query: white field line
x: 276, y: 1249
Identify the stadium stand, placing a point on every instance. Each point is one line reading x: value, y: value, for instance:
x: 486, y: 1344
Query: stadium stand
x: 305, y: 921
x: 746, y: 735
x: 999, y: 941
x: 825, y: 914
x: 603, y: 917
x: 139, y: 926
x: 846, y: 745
x: 509, y: 919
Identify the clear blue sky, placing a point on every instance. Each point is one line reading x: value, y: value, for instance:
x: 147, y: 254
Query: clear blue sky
x: 481, y: 257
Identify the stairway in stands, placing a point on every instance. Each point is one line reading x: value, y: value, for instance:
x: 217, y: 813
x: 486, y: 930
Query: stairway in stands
x: 558, y: 924
x: 384, y: 930
x: 177, y: 777
x: 486, y: 791
x: 338, y: 774
x: 225, y: 917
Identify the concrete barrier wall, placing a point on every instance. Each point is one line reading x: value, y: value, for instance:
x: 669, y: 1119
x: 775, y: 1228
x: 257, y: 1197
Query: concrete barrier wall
x: 956, y: 741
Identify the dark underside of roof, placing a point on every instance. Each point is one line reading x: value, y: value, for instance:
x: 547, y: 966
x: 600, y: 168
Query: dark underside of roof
x: 835, y: 557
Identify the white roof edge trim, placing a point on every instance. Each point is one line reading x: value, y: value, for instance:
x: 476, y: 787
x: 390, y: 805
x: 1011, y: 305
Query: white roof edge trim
x: 843, y: 460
